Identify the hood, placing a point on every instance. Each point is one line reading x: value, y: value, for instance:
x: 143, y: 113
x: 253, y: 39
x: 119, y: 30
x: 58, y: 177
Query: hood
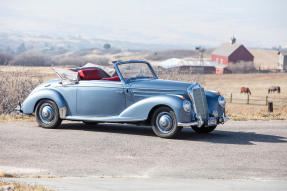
x: 158, y: 84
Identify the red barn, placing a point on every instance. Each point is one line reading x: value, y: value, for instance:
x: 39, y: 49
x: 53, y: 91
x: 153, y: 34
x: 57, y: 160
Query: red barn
x: 231, y: 52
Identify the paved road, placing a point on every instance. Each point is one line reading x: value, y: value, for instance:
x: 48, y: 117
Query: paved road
x: 238, y: 150
x: 151, y: 184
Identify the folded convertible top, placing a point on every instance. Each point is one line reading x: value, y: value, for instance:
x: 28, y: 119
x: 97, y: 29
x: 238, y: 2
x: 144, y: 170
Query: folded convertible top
x: 71, y: 75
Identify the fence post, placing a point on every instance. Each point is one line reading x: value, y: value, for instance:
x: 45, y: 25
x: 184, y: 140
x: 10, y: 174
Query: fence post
x: 270, y: 106
x: 266, y: 100
x: 247, y: 98
x: 231, y: 98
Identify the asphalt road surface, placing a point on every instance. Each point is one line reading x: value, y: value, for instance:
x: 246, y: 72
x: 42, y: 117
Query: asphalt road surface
x: 247, y: 150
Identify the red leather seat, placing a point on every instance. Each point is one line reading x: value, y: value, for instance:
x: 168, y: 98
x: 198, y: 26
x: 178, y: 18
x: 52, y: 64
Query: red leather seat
x: 89, y: 74
x: 115, y: 78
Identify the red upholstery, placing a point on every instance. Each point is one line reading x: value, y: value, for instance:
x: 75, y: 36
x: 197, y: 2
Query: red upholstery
x: 115, y: 78
x: 89, y: 74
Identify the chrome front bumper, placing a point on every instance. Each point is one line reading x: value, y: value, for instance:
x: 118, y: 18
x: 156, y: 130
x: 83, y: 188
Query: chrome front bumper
x: 199, y: 123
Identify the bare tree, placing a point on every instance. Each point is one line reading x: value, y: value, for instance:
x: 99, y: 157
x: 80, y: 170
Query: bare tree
x: 31, y: 59
x: 21, y: 49
x: 5, y: 58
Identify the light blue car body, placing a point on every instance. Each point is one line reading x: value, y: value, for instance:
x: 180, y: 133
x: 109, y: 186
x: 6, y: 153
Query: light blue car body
x: 124, y: 101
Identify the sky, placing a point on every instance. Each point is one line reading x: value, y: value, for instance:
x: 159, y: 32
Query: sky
x: 256, y: 23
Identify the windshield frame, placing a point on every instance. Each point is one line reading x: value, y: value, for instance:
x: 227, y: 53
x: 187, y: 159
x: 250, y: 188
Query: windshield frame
x: 116, y: 64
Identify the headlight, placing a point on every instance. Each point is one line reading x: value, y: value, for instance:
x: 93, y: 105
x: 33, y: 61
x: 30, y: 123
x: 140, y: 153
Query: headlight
x: 186, y: 106
x: 221, y: 101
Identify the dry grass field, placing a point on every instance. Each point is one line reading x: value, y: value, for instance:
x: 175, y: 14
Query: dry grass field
x: 226, y: 84
x: 20, y: 187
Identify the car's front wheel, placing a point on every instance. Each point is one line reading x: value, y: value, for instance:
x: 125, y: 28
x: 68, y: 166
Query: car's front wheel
x: 204, y: 129
x: 164, y: 123
x: 47, y: 114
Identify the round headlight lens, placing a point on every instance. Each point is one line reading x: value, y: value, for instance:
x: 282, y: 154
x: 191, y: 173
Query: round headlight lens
x: 186, y: 106
x: 221, y: 101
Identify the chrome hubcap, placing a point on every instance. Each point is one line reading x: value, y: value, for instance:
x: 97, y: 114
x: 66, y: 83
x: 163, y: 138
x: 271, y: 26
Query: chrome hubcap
x: 164, y: 122
x: 46, y: 113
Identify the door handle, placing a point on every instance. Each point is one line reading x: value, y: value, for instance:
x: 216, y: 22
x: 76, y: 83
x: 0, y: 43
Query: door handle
x: 120, y: 91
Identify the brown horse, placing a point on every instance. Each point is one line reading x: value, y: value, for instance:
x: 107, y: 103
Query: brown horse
x: 273, y: 89
x: 245, y: 90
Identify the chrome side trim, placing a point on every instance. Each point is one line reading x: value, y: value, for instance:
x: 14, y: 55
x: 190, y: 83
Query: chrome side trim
x: 154, y: 89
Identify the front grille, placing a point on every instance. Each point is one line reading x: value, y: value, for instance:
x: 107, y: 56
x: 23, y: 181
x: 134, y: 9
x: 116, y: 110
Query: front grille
x: 199, y: 102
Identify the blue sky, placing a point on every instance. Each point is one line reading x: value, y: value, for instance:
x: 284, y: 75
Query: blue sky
x: 189, y: 22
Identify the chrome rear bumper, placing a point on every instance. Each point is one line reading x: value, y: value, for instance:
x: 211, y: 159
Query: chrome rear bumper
x: 220, y: 120
x: 19, y: 108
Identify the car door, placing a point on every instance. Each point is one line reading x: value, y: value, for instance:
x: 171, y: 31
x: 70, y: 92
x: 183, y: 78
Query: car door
x: 100, y: 98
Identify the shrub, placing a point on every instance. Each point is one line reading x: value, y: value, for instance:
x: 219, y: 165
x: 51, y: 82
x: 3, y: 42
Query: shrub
x: 14, y: 88
x: 80, y: 61
x: 31, y: 59
x: 242, y: 67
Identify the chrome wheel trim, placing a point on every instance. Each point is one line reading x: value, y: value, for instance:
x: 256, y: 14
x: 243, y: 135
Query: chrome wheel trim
x: 164, y: 122
x: 46, y: 113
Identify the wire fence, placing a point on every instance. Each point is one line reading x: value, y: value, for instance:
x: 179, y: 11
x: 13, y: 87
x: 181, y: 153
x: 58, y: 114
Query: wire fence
x: 255, y: 100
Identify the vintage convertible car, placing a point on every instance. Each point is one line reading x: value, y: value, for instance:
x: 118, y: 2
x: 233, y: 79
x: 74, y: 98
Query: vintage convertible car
x: 133, y: 94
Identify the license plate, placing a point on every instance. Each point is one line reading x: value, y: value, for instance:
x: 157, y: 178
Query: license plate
x: 212, y: 121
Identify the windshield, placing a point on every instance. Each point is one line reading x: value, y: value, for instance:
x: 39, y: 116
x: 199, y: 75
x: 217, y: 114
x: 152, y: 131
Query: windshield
x: 132, y: 71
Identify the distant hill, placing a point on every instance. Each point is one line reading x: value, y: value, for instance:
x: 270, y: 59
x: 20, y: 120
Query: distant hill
x: 53, y: 44
x: 189, y: 54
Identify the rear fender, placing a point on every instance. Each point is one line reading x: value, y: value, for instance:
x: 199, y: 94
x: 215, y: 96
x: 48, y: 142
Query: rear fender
x: 29, y: 105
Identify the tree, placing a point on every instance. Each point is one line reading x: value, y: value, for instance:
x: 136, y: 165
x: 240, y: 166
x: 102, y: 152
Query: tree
x: 21, y: 49
x: 107, y: 46
x: 9, y: 51
x: 5, y: 58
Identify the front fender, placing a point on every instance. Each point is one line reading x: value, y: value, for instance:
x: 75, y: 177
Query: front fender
x: 30, y: 102
x: 142, y: 108
x: 212, y: 101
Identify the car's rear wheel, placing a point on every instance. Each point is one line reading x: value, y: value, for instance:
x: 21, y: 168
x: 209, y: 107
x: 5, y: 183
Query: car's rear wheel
x: 164, y: 123
x: 47, y: 114
x: 204, y: 129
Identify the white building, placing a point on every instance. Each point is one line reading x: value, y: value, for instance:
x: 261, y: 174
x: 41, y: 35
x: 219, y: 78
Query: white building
x: 282, y: 62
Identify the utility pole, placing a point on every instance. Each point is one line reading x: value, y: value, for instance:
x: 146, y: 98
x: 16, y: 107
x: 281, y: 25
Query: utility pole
x: 200, y: 50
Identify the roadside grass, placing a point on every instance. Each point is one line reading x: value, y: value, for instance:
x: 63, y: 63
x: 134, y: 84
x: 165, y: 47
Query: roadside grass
x: 243, y: 112
x: 4, y: 174
x: 15, y: 117
x: 12, y: 186
x: 7, y: 175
